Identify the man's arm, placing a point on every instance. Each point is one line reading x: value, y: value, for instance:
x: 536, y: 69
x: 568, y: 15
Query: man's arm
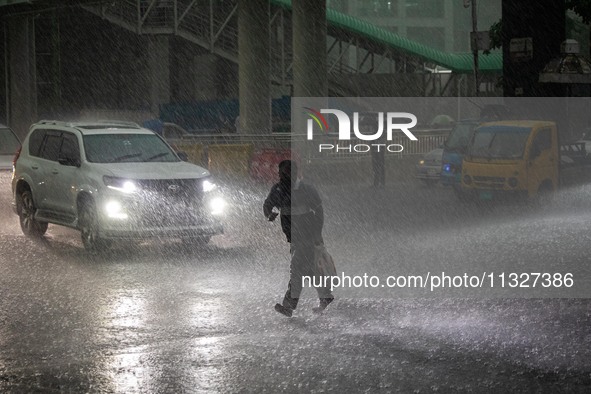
x: 270, y: 202
x: 316, y: 205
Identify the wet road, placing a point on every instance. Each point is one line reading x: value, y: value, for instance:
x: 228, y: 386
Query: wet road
x: 162, y: 317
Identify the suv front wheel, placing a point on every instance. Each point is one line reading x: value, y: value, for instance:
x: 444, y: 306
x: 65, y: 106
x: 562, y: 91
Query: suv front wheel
x: 89, y: 228
x: 26, y: 215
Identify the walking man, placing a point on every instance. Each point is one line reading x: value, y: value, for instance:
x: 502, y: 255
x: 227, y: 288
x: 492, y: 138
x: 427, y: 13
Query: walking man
x: 302, y: 219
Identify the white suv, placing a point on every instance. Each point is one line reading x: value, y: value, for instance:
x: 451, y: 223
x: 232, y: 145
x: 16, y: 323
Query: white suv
x: 111, y: 180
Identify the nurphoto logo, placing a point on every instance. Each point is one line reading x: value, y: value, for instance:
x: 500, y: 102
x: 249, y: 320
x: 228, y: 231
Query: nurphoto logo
x: 382, y: 122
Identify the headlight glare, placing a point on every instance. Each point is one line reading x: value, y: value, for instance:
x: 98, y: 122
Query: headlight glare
x: 208, y: 185
x: 217, y: 206
x: 120, y: 184
x: 114, y: 210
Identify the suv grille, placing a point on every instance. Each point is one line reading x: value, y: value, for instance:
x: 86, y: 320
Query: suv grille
x: 170, y: 202
x: 175, y: 189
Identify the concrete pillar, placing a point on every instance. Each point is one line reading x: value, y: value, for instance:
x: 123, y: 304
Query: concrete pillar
x: 159, y: 50
x: 21, y: 72
x: 205, y: 67
x: 254, y: 82
x: 309, y: 48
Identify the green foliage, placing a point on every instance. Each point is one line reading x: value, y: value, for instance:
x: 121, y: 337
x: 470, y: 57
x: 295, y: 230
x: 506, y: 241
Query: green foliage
x: 495, y: 33
x: 581, y: 8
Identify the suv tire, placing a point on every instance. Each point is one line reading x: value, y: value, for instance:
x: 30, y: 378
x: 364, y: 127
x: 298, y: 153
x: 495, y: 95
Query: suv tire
x: 89, y: 228
x: 26, y: 215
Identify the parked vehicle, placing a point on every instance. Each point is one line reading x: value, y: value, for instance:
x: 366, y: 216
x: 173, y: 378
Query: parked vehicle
x: 512, y: 158
x: 428, y: 169
x: 457, y: 143
x: 9, y: 145
x: 168, y: 131
x: 111, y: 181
x: 453, y: 152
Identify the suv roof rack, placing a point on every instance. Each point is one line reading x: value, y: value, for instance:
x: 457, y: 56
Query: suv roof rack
x: 54, y: 122
x: 92, y: 123
x: 112, y: 122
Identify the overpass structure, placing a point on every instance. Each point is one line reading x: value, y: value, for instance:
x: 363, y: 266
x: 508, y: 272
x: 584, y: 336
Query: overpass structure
x: 356, y: 51
x: 354, y: 46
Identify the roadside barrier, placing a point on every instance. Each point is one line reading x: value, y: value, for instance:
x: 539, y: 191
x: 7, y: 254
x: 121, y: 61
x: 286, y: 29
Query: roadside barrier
x: 257, y: 155
x: 231, y: 160
x: 196, y: 153
x: 264, y: 164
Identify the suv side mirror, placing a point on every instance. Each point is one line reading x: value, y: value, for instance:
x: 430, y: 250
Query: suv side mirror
x: 183, y: 156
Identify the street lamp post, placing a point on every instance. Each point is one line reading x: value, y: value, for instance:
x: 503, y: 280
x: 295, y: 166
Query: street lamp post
x: 474, y: 42
x: 475, y: 45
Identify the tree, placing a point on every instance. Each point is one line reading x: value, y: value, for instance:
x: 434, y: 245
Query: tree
x: 580, y: 7
x: 495, y: 33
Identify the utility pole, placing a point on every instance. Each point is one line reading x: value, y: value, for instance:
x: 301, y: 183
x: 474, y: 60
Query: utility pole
x: 475, y: 42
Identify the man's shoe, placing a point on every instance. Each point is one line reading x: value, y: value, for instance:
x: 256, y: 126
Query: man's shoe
x: 283, y: 310
x: 324, y: 302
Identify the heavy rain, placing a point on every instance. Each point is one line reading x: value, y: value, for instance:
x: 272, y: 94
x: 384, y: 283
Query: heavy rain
x: 461, y: 265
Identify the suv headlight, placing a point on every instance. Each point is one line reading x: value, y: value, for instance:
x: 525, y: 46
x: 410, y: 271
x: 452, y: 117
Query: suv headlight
x: 114, y: 210
x: 120, y: 184
x: 214, y: 201
x: 208, y: 185
x: 217, y: 206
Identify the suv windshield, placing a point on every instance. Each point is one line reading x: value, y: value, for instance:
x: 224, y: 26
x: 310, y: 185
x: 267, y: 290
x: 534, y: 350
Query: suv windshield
x: 499, y: 142
x: 127, y: 148
x: 9, y: 144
